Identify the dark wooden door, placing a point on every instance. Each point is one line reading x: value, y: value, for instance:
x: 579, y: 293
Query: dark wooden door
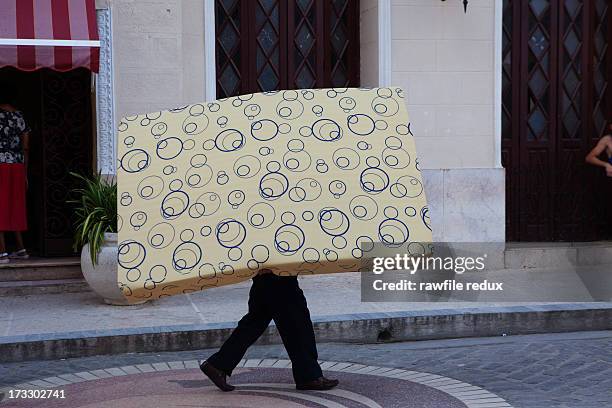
x: 266, y: 45
x: 556, y: 100
x: 57, y: 106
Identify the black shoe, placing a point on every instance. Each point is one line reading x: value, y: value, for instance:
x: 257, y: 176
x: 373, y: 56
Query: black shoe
x: 217, y: 376
x: 320, y: 384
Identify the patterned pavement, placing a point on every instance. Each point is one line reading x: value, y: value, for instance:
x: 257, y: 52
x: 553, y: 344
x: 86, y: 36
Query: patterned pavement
x: 570, y: 370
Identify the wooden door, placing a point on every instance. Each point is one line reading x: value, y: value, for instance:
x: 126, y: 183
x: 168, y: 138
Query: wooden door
x: 266, y: 45
x: 556, y: 100
x: 57, y: 106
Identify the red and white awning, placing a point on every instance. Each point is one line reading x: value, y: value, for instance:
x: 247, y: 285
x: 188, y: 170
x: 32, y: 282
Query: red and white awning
x: 57, y: 34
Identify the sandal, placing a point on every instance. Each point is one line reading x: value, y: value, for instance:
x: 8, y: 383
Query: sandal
x: 21, y: 254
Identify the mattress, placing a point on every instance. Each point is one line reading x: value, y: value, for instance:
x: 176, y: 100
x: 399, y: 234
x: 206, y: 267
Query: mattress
x: 299, y: 182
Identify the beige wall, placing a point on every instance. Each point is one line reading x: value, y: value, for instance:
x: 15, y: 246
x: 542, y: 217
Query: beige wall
x: 158, y: 54
x: 368, y: 40
x: 444, y: 59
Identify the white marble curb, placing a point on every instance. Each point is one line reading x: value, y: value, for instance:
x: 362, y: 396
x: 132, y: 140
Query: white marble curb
x: 471, y: 395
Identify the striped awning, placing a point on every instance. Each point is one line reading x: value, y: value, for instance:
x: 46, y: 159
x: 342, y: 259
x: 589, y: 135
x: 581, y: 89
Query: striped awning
x: 57, y: 34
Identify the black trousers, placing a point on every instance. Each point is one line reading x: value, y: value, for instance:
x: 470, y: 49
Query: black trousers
x: 277, y: 298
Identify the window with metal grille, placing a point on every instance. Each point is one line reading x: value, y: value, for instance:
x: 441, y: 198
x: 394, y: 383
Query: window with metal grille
x: 265, y: 45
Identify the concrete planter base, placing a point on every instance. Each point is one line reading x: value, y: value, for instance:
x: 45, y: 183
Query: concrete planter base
x: 102, y: 277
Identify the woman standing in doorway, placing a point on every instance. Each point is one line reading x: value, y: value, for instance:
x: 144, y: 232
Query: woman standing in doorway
x: 603, y: 146
x: 14, y: 145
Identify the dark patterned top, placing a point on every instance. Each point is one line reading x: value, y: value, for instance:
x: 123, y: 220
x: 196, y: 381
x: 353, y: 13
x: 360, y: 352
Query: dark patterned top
x: 12, y: 126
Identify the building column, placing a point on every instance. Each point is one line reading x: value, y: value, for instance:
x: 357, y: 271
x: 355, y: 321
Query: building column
x: 105, y: 107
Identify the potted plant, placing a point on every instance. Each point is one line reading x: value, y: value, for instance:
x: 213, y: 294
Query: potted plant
x: 96, y: 235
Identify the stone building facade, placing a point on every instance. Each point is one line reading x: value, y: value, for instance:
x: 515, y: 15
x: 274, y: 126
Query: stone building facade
x: 160, y: 54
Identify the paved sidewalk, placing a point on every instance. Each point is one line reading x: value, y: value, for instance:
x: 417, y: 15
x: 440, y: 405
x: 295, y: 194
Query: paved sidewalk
x: 80, y: 324
x: 328, y: 295
x: 567, y: 370
x: 336, y: 294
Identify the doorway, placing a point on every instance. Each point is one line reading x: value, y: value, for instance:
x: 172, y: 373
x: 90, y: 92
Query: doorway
x: 556, y: 101
x: 58, y: 108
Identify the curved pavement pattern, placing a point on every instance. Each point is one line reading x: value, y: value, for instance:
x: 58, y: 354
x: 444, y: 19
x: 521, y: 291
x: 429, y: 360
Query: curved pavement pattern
x: 260, y: 383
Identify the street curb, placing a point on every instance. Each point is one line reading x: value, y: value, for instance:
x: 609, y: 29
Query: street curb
x: 352, y: 328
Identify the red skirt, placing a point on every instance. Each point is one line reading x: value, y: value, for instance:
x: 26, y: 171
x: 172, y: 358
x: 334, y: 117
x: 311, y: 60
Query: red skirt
x: 13, y: 197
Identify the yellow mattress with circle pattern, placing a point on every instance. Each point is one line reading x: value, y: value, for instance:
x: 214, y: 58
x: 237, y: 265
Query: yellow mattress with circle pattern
x: 298, y: 182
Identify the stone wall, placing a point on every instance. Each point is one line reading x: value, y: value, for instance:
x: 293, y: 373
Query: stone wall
x: 158, y: 54
x: 466, y: 205
x: 444, y: 59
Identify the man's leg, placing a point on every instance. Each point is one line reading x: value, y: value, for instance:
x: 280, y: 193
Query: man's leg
x: 250, y: 327
x: 292, y: 318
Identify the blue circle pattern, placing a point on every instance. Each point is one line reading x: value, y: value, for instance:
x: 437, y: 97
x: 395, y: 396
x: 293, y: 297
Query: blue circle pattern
x: 289, y: 238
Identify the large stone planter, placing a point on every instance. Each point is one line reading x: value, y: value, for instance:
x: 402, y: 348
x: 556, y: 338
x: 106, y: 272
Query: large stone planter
x: 102, y: 278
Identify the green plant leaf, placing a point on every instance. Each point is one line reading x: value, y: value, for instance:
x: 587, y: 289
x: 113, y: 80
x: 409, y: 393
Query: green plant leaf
x: 95, y: 209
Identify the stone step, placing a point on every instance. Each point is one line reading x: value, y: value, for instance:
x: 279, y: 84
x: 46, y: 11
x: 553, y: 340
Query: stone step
x: 35, y: 269
x: 42, y: 287
x: 552, y: 255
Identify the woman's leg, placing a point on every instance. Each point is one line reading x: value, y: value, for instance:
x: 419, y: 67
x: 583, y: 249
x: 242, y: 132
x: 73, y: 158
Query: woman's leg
x: 19, y: 239
x: 3, y: 255
x: 20, y: 252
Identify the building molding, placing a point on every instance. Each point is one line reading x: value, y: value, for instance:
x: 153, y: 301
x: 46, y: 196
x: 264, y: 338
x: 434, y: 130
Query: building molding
x: 384, y: 43
x: 209, y: 51
x: 497, y: 102
x: 105, y: 97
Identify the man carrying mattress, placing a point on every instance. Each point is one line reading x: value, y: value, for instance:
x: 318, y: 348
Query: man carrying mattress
x: 277, y: 298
